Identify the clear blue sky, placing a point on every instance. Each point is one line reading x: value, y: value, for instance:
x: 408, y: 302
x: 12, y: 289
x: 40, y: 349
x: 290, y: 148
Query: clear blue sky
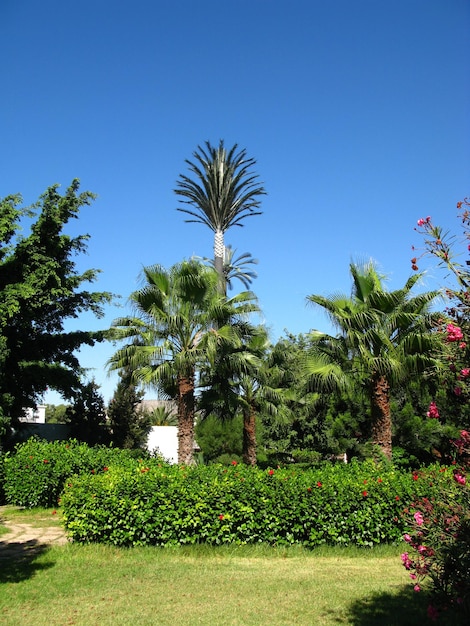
x: 358, y: 114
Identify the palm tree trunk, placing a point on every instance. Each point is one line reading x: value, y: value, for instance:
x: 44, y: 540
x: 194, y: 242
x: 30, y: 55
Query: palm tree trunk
x: 219, y: 253
x: 249, y: 436
x: 381, y: 414
x: 185, y: 420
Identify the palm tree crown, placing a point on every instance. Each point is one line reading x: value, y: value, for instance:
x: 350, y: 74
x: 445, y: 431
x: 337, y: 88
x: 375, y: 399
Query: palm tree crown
x: 383, y: 337
x: 180, y: 319
x: 223, y: 192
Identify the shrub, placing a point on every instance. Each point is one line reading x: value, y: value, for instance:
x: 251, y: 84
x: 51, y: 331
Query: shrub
x: 2, y: 477
x: 360, y: 503
x: 440, y: 539
x: 36, y: 471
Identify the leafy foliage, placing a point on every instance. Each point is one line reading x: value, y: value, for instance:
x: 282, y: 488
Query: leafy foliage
x: 35, y: 472
x: 180, y: 320
x: 87, y: 416
x: 40, y: 288
x: 56, y: 413
x: 440, y: 539
x: 129, y: 425
x: 383, y: 337
x: 360, y: 503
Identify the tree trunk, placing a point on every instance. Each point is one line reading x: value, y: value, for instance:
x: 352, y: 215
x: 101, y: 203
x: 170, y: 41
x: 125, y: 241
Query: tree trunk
x: 185, y: 420
x: 381, y: 415
x: 219, y: 258
x: 249, y: 437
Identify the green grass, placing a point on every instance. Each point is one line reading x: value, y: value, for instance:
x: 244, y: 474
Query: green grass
x: 237, y: 586
x: 37, y: 517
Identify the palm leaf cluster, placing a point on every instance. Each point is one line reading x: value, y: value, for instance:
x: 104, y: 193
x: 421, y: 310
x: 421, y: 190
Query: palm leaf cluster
x: 220, y: 192
x: 180, y: 323
x: 382, y: 338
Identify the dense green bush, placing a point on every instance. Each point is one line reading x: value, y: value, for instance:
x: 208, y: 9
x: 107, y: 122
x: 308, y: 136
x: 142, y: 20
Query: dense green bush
x: 34, y: 474
x: 360, y: 503
x: 2, y: 477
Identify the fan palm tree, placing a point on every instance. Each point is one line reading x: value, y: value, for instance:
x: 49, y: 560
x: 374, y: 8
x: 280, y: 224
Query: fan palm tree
x: 236, y: 267
x: 223, y: 192
x: 384, y: 337
x: 179, y: 319
x: 237, y: 383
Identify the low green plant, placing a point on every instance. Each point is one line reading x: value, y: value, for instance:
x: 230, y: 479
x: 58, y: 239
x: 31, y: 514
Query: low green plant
x: 34, y: 474
x: 336, y: 504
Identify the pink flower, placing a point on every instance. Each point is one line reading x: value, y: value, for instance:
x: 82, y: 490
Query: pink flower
x: 418, y: 518
x: 465, y: 373
x: 417, y: 588
x: 454, y: 333
x: 433, y: 411
x: 462, y: 345
x: 407, y: 538
x: 459, y: 478
x: 407, y: 563
x: 413, y: 576
x: 458, y: 391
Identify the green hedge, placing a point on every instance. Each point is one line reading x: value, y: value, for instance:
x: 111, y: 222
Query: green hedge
x: 35, y: 473
x: 360, y: 503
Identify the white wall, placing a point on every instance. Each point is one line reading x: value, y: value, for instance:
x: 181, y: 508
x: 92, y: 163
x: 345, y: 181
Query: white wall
x: 35, y: 416
x: 165, y: 440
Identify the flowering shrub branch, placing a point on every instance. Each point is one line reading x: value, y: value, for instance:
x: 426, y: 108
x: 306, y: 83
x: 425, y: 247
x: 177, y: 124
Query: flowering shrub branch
x: 440, y: 526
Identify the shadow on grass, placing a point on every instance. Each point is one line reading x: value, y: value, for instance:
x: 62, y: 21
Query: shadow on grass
x: 18, y: 560
x: 402, y: 608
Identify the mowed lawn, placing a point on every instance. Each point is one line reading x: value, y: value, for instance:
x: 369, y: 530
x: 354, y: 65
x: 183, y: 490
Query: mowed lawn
x: 240, y: 586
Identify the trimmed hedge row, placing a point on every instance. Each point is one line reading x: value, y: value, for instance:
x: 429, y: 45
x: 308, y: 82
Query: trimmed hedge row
x: 147, y: 504
x: 34, y: 475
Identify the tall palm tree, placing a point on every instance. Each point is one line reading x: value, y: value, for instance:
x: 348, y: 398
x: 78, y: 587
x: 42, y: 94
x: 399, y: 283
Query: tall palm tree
x: 179, y: 319
x: 237, y: 383
x: 223, y: 192
x: 383, y: 338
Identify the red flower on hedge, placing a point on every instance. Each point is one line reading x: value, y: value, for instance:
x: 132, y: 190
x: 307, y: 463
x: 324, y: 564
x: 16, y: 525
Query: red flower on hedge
x: 45, y: 461
x: 319, y: 484
x: 271, y: 472
x: 364, y: 493
x: 234, y: 463
x: 221, y: 517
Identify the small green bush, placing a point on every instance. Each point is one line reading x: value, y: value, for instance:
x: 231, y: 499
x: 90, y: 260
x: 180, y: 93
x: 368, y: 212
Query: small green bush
x: 34, y: 474
x: 147, y: 504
